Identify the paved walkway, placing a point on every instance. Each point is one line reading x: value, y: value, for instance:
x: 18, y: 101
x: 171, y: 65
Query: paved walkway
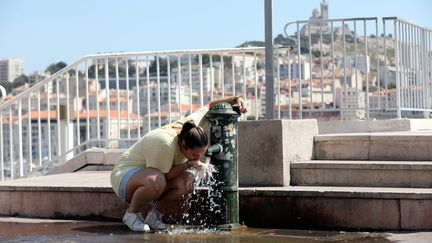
x: 40, y: 230
x: 85, y: 180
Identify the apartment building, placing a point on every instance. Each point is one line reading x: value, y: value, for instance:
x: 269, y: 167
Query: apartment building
x: 10, y: 69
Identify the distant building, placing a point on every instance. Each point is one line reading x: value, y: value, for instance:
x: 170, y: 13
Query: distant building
x: 194, y: 74
x: 10, y: 69
x: 317, y: 24
x: 177, y: 94
x: 290, y: 69
x: 388, y: 73
x: 351, y: 102
x: 245, y: 67
x: 37, y: 76
x: 361, y: 63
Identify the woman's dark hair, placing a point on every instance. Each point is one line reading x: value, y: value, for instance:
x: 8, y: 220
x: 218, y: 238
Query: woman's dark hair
x: 193, y: 136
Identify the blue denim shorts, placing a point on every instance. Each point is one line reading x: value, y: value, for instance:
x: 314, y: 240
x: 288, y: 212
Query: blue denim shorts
x: 124, y: 181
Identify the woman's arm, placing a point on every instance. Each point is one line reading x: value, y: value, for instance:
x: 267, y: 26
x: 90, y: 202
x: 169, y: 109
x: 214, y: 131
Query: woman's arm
x: 177, y: 170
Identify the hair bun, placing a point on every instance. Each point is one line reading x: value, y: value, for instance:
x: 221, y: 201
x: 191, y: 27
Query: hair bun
x: 192, y: 135
x: 188, y: 126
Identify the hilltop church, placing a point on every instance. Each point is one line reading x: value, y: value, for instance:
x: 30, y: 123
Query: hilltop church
x: 317, y: 15
x: 325, y: 26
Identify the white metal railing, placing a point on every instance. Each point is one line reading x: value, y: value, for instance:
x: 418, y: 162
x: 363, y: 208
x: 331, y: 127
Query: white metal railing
x: 330, y: 69
x: 110, y: 100
x: 370, y: 70
x: 413, y: 65
x: 345, y: 94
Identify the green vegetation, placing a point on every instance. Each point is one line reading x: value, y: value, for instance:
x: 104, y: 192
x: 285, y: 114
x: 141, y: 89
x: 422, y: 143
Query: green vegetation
x: 20, y: 81
x: 55, y: 67
x: 252, y: 44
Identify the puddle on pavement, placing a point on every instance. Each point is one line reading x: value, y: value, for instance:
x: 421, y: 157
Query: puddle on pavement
x: 95, y: 231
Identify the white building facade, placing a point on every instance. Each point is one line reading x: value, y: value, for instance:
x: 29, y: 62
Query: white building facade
x: 10, y: 69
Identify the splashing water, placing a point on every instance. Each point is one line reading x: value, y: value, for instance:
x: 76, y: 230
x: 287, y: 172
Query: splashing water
x: 205, y: 181
x: 204, y: 177
x: 190, y: 230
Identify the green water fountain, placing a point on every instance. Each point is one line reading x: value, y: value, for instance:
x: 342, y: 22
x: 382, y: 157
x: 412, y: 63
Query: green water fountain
x: 223, y: 152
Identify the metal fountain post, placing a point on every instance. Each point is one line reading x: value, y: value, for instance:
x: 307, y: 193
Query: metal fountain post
x: 223, y: 153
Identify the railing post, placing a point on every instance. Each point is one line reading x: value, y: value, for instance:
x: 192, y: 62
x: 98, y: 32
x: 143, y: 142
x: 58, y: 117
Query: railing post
x: 66, y: 132
x: 425, y: 79
x: 269, y: 60
x: 398, y: 85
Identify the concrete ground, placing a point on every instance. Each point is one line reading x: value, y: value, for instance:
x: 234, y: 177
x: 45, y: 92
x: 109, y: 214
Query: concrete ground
x: 44, y: 230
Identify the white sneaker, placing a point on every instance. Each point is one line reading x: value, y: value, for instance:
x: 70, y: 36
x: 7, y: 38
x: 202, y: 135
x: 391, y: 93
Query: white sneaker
x: 154, y: 220
x: 135, y: 222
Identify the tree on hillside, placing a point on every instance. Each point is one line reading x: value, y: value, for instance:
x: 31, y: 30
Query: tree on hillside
x: 252, y: 44
x: 20, y: 81
x: 55, y: 67
x: 286, y: 42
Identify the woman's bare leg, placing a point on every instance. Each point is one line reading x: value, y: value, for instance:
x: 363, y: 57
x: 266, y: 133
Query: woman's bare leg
x: 145, y: 186
x: 175, y: 194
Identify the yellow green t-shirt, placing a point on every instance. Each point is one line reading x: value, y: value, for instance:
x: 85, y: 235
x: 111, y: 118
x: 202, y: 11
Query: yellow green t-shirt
x: 156, y: 149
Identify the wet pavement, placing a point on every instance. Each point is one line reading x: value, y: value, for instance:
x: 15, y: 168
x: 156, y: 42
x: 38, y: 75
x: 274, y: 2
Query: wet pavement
x: 39, y: 230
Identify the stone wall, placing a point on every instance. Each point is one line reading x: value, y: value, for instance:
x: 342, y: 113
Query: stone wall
x: 266, y: 149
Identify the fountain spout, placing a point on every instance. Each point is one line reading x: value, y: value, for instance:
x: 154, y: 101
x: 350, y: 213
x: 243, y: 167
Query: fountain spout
x: 215, y: 149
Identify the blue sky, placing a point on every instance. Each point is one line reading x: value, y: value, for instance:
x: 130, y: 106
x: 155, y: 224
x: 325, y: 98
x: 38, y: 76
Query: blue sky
x: 42, y: 32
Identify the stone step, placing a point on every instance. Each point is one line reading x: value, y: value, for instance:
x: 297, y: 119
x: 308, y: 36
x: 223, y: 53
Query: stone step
x: 358, y: 208
x: 404, y: 146
x: 88, y: 195
x: 412, y: 174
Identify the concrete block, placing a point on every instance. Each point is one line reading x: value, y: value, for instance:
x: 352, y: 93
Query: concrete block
x: 347, y: 137
x: 387, y: 125
x: 416, y: 214
x: 319, y: 212
x: 5, y: 203
x: 260, y: 153
x: 391, y: 125
x: 347, y: 126
x: 361, y: 126
x: 112, y: 156
x: 70, y: 166
x: 298, y: 139
x: 375, y: 146
x: 403, y: 137
x: 95, y: 156
x: 102, y: 157
x: 362, y: 174
x: 266, y: 149
x: 54, y: 204
x: 394, y: 148
x: 343, y: 150
x: 110, y: 206
x: 97, y: 168
x: 349, y: 213
x: 421, y: 124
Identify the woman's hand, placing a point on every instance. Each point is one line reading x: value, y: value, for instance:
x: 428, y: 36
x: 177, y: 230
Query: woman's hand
x: 241, y: 103
x: 238, y: 100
